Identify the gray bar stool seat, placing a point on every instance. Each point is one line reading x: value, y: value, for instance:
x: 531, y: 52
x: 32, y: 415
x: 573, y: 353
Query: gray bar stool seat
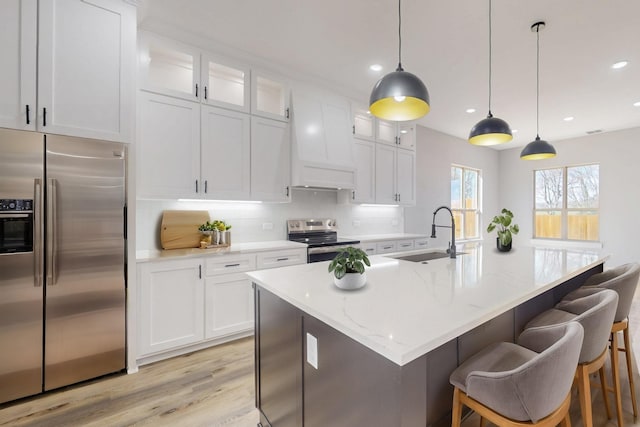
x: 595, y: 313
x: 523, y: 384
x: 624, y: 280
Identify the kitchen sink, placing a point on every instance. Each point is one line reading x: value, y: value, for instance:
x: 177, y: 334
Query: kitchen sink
x: 427, y: 256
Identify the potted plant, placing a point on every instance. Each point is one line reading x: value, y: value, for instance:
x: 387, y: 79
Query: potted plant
x: 218, y: 229
x: 348, y: 268
x: 503, y: 223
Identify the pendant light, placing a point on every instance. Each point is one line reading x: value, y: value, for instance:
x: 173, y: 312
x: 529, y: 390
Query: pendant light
x: 539, y: 148
x: 400, y: 95
x: 492, y: 130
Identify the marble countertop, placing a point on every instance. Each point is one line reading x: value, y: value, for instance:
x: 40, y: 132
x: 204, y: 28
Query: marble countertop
x: 235, y: 248
x: 382, y: 237
x: 407, y: 309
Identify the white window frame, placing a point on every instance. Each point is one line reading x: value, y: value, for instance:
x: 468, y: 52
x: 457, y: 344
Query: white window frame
x: 564, y: 209
x: 477, y: 210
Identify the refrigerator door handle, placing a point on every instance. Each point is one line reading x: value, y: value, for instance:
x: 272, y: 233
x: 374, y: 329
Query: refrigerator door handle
x: 52, y: 225
x: 37, y: 238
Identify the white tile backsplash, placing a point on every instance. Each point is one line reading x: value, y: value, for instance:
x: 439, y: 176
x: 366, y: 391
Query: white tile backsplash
x: 247, y: 219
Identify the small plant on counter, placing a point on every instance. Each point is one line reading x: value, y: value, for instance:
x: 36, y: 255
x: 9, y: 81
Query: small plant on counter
x: 215, y: 225
x: 349, y: 260
x: 503, y: 223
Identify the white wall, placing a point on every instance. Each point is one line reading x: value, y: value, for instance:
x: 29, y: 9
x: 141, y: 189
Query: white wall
x: 618, y: 154
x: 248, y: 219
x: 435, y: 153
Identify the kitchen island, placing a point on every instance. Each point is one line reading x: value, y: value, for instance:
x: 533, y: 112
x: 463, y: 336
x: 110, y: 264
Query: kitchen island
x: 382, y: 355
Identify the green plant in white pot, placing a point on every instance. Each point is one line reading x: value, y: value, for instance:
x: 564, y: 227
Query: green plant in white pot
x: 504, y: 224
x: 348, y: 268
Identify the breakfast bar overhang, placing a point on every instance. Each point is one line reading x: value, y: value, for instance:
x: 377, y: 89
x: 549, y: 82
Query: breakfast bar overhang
x: 382, y: 355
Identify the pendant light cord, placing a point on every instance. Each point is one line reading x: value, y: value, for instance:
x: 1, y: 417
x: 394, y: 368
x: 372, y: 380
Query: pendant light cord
x: 538, y: 82
x: 399, y: 38
x: 489, y: 58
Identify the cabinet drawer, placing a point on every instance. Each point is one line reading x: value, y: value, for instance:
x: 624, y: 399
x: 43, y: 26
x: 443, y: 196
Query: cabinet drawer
x: 405, y: 245
x: 230, y: 264
x: 282, y: 258
x: 386, y: 247
x: 369, y: 248
x: 420, y: 243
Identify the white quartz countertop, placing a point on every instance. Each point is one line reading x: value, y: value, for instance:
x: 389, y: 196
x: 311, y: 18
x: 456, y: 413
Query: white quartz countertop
x: 407, y: 309
x: 234, y: 248
x: 384, y: 237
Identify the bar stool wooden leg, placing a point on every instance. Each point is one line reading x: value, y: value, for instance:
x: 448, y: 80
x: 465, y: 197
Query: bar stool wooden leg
x: 615, y: 370
x: 584, y: 391
x: 566, y: 421
x: 482, y: 421
x: 629, y: 356
x: 605, y: 392
x: 456, y: 410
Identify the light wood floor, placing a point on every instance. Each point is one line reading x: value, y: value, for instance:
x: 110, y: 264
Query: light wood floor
x: 212, y: 387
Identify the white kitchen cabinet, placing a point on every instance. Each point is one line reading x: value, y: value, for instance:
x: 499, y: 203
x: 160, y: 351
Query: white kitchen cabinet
x: 225, y: 154
x: 281, y: 258
x: 18, y: 43
x: 168, y: 67
x: 407, y: 136
x: 323, y: 141
x: 168, y: 145
x: 225, y: 83
x: 368, y: 247
x: 170, y: 308
x: 365, y: 158
x: 420, y: 243
x: 270, y: 160
x: 229, y: 305
x: 86, y: 53
x: 386, y: 247
x: 405, y: 245
x: 85, y: 60
x: 400, y: 134
x: 364, y: 123
x: 270, y: 95
x: 395, y: 175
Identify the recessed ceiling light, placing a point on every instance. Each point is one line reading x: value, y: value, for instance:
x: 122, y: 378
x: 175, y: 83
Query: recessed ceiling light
x: 375, y: 67
x: 514, y: 130
x: 368, y: 112
x: 470, y: 110
x: 404, y: 131
x: 636, y: 104
x: 568, y: 119
x: 619, y: 64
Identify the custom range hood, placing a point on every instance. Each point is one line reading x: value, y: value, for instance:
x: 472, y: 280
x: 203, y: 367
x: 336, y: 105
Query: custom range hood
x: 322, y: 141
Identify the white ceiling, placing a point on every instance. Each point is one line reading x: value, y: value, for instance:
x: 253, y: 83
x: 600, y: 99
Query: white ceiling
x: 445, y: 43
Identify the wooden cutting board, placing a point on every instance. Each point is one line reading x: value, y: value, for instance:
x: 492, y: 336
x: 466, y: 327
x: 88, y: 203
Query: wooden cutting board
x: 179, y: 229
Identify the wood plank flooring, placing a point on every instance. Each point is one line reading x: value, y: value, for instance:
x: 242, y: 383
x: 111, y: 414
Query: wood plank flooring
x: 212, y: 387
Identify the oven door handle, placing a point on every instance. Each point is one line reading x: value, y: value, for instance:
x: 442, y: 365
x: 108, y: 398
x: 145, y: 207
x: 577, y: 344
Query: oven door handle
x: 14, y: 215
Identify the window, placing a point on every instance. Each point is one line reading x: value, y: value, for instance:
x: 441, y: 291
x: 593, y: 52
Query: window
x: 465, y: 201
x: 567, y: 203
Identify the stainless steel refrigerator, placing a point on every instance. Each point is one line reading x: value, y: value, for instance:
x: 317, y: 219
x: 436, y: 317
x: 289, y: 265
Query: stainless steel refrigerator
x: 62, y: 261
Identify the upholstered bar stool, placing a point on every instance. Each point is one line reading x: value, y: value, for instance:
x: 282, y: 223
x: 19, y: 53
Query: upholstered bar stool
x: 523, y: 384
x: 595, y: 313
x: 624, y: 280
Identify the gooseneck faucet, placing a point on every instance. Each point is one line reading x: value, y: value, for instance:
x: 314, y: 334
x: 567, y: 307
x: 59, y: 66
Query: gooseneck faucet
x: 452, y: 244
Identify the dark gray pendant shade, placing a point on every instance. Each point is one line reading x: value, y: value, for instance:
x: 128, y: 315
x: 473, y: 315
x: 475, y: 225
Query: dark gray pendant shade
x: 399, y: 96
x: 538, y: 149
x: 490, y: 131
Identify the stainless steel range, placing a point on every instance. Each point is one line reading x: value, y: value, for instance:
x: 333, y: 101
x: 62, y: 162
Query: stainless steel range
x: 321, y: 235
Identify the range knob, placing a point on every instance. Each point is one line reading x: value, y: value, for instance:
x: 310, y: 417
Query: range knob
x: 12, y: 205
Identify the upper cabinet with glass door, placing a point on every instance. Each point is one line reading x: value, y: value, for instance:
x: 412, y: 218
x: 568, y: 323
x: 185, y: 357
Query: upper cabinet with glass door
x: 270, y: 96
x: 168, y: 67
x: 225, y: 83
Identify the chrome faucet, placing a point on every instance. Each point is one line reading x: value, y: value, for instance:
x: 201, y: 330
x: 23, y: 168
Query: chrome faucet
x: 452, y: 244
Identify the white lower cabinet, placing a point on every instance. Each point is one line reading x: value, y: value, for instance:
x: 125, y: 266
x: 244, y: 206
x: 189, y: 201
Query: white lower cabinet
x: 369, y: 247
x: 188, y: 304
x: 229, y: 303
x: 386, y: 247
x: 405, y: 245
x: 170, y: 309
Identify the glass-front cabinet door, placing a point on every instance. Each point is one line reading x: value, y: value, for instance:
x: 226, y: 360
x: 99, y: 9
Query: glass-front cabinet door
x: 168, y: 67
x: 225, y: 83
x: 270, y: 96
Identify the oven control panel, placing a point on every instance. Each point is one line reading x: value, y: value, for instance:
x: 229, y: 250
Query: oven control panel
x: 306, y: 225
x: 16, y: 205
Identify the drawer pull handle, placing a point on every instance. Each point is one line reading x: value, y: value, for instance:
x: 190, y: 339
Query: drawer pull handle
x: 387, y: 247
x: 232, y: 265
x: 282, y: 259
